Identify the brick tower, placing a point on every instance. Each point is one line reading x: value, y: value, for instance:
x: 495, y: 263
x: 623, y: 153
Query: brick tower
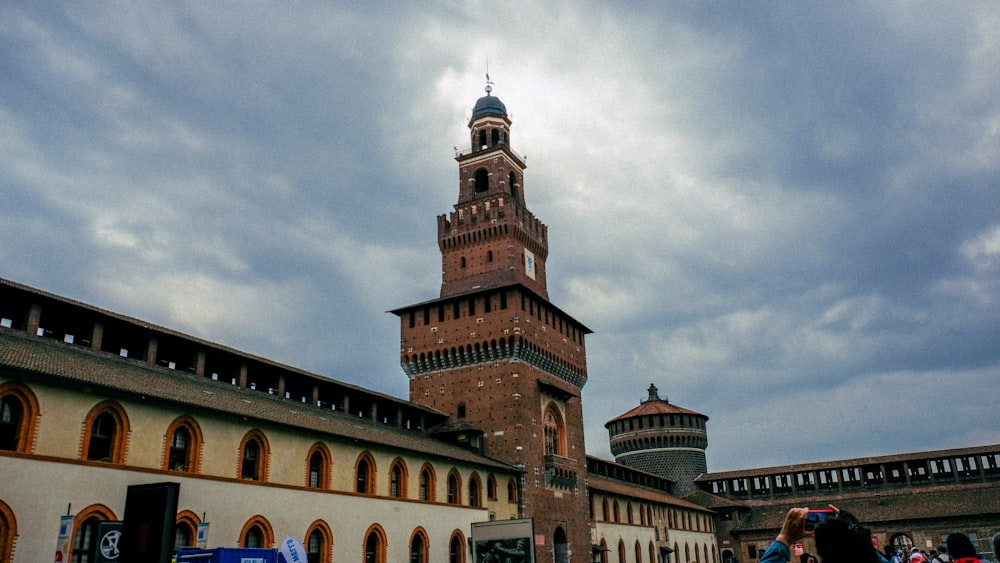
x: 661, y: 439
x: 492, y: 352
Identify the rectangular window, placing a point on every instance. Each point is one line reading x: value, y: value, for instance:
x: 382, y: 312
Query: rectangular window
x: 472, y: 306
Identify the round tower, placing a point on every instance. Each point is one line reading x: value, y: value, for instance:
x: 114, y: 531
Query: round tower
x: 661, y: 439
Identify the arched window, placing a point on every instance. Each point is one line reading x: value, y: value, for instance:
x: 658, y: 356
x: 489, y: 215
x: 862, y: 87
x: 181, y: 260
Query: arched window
x: 257, y: 532
x: 555, y: 440
x: 375, y: 545
x: 621, y: 551
x: 491, y: 487
x: 456, y: 548
x: 364, y: 473
x: 427, y: 492
x: 8, y: 531
x: 638, y: 552
x: 617, y: 513
x: 183, y: 445
x: 454, y: 488
x: 512, y: 182
x: 104, y: 433
x: 319, y: 543
x: 605, y: 512
x: 418, y: 546
x: 495, y: 137
x: 482, y: 181
x: 511, y: 491
x: 85, y: 531
x: 397, y: 479
x: 318, y: 474
x: 475, y: 490
x: 628, y: 512
x: 18, y: 412
x: 652, y: 553
x: 254, y: 452
x: 604, y: 551
x: 185, y: 529
x: 482, y: 139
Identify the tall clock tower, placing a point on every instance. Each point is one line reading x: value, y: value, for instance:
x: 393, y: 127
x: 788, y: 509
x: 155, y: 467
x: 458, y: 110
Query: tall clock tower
x: 491, y: 351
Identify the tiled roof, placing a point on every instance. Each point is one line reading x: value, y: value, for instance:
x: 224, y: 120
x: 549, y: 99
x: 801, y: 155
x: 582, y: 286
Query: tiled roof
x: 860, y: 461
x: 23, y: 355
x: 714, y: 502
x: 654, y: 407
x: 952, y: 502
x: 609, y: 485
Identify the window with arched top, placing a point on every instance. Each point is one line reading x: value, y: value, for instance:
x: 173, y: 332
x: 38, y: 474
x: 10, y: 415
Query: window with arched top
x: 105, y: 431
x: 375, y: 545
x: 652, y: 553
x: 85, y: 531
x: 397, y: 479
x: 185, y: 529
x: 491, y: 487
x: 364, y: 474
x: 555, y: 435
x: 254, y: 451
x: 475, y: 491
x: 418, y: 546
x: 511, y: 490
x: 512, y: 184
x: 617, y: 513
x: 621, y: 551
x: 427, y: 483
x: 18, y: 413
x: 638, y: 552
x: 495, y: 137
x: 183, y: 445
x: 454, y: 488
x: 319, y: 543
x: 482, y: 139
x: 318, y: 463
x: 8, y: 531
x: 257, y: 532
x: 456, y: 547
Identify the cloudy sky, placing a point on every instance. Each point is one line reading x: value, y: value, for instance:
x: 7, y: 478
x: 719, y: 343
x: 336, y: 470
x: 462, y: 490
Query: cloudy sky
x: 786, y: 215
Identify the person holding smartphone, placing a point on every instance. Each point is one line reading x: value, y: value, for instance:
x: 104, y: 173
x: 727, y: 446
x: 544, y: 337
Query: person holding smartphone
x: 838, y: 535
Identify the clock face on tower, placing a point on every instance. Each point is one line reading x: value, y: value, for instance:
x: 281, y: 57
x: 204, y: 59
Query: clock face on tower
x: 529, y: 263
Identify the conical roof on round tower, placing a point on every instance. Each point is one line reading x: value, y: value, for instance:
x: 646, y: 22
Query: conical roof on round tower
x: 654, y: 405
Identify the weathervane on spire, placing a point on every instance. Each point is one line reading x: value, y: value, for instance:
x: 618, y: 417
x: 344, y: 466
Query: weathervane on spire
x: 489, y: 83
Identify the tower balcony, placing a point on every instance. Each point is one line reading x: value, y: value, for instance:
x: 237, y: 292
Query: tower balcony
x: 459, y: 154
x: 560, y: 472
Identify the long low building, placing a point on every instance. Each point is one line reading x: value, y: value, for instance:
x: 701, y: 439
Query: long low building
x: 261, y: 451
x: 907, y: 500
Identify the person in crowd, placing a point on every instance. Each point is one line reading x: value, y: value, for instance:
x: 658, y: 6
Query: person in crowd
x: 840, y: 539
x: 942, y: 555
x: 808, y: 558
x: 891, y: 555
x: 996, y: 545
x: 960, y: 548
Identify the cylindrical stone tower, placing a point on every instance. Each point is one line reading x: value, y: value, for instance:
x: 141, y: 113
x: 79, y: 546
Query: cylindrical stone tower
x: 661, y: 439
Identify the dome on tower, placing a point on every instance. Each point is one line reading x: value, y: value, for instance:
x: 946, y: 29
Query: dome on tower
x: 489, y: 105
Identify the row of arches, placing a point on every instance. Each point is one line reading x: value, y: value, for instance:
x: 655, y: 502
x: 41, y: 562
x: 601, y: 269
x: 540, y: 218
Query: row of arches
x: 477, y: 353
x: 697, y: 554
x: 685, y: 440
x: 256, y: 532
x: 106, y: 429
x: 481, y: 182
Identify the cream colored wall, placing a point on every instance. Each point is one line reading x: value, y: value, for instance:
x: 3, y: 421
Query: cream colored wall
x: 611, y: 532
x: 38, y: 492
x: 39, y: 489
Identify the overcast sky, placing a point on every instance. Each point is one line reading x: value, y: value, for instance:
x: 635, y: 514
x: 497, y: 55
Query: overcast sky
x: 785, y: 215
